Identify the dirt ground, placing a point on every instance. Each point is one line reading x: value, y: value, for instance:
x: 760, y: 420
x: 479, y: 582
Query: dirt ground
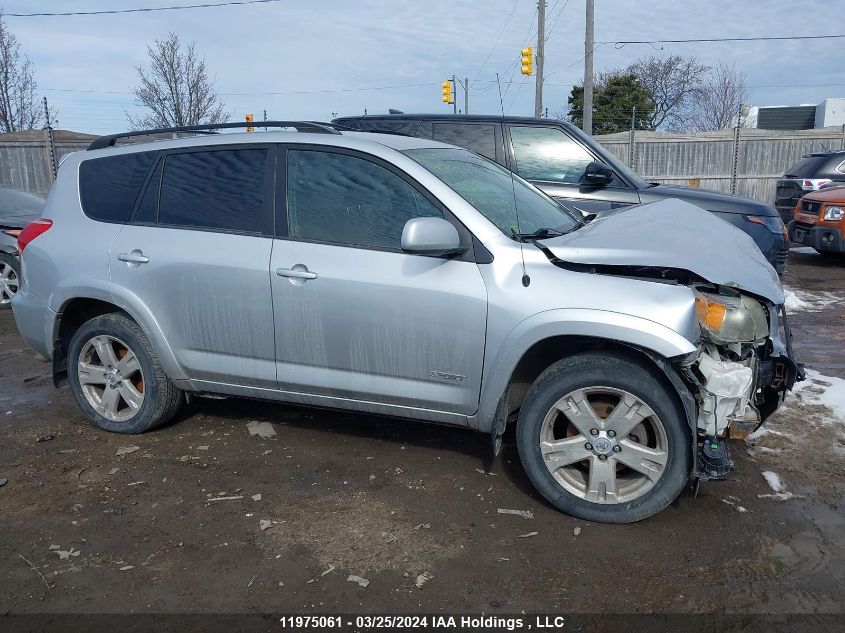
x: 202, y: 517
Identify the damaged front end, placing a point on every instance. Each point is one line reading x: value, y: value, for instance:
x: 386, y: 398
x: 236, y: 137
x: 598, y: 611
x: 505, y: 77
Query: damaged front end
x: 741, y: 373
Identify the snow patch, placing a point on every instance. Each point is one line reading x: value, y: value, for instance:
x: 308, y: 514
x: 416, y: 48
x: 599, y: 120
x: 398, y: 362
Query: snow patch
x: 803, y: 250
x: 806, y: 301
x: 774, y: 481
x: 817, y: 389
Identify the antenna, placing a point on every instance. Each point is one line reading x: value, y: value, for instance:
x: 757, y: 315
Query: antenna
x: 525, y: 278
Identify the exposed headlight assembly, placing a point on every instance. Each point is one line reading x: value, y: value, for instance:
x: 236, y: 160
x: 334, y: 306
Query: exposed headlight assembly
x: 727, y: 319
x: 834, y: 214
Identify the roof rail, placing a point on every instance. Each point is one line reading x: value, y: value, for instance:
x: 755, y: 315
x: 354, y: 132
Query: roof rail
x: 299, y: 126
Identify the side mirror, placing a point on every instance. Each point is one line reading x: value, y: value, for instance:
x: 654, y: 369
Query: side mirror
x: 430, y: 236
x: 597, y: 174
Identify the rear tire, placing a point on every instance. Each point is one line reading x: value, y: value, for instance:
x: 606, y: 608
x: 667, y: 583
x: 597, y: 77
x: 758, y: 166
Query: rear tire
x: 604, y: 439
x: 116, y: 378
x: 10, y: 279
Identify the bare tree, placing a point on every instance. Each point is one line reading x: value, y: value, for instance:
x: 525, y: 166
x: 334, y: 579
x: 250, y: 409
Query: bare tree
x: 673, y: 82
x: 19, y: 107
x: 176, y: 90
x: 718, y: 99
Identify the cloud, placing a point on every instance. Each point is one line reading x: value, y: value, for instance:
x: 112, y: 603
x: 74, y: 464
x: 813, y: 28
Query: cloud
x: 333, y: 44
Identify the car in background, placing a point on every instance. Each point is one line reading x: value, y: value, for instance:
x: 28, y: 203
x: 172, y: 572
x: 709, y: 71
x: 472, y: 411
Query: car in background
x: 819, y: 220
x: 17, y: 209
x: 575, y: 170
x: 811, y: 173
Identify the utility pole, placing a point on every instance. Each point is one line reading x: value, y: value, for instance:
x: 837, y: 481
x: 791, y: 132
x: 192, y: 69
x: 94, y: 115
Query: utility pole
x: 466, y: 95
x: 541, y: 43
x: 454, y: 95
x: 51, y: 145
x: 587, y: 118
x: 265, y: 118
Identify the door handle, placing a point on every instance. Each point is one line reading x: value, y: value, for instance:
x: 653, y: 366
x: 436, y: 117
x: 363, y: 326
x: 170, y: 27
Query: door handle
x: 134, y: 257
x: 296, y: 273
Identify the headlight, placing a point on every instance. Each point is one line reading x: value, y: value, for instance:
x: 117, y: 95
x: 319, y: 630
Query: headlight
x: 833, y: 213
x: 731, y: 319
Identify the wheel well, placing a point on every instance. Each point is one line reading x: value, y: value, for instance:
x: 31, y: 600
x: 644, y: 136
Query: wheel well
x: 73, y: 315
x: 548, y: 351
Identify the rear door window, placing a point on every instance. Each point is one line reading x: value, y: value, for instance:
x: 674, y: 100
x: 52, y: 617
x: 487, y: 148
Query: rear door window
x: 478, y: 138
x: 223, y: 190
x: 108, y: 186
x: 546, y: 153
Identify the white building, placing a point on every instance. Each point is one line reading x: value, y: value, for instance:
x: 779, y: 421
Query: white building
x: 830, y: 112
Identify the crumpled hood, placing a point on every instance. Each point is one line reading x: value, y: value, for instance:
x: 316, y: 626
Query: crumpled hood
x: 672, y: 234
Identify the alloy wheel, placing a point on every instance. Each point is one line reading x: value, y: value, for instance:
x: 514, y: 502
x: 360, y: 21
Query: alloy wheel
x: 9, y: 283
x: 111, y: 378
x: 604, y: 445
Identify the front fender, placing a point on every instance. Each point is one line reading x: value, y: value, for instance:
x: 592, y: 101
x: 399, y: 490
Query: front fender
x: 598, y: 324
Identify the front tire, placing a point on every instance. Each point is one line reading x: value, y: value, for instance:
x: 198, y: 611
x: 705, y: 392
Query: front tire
x: 10, y: 279
x: 116, y: 378
x: 604, y: 439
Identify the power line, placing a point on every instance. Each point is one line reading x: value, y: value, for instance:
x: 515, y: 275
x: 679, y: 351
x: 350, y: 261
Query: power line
x: 496, y: 43
x: 725, y: 39
x: 204, y: 5
x: 259, y: 94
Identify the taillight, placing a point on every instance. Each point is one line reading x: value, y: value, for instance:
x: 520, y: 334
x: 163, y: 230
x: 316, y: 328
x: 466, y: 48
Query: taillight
x: 31, y: 231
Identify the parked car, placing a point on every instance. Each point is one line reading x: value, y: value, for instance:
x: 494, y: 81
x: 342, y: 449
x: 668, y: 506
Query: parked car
x: 820, y: 220
x: 812, y: 172
x: 17, y: 209
x: 413, y: 279
x: 574, y: 169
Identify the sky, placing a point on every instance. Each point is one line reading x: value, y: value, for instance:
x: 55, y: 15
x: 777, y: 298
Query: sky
x: 323, y: 58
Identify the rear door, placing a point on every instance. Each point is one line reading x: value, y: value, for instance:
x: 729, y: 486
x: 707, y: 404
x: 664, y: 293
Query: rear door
x: 197, y: 255
x: 357, y: 318
x: 555, y: 162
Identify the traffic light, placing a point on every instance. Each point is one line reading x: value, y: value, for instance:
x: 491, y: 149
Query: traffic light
x: 446, y: 90
x: 249, y: 119
x: 527, y: 59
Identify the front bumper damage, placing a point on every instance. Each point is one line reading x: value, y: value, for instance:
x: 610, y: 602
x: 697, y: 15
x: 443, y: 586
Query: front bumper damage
x: 736, y: 388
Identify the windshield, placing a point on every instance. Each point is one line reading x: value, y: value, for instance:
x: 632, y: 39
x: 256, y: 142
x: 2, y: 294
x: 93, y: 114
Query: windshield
x: 493, y: 190
x: 14, y: 201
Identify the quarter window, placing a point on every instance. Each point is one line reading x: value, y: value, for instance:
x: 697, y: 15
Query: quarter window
x: 478, y: 138
x: 545, y: 153
x: 219, y: 190
x: 108, y: 186
x: 344, y: 199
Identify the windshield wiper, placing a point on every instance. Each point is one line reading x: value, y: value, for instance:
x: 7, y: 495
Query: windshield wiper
x: 539, y: 234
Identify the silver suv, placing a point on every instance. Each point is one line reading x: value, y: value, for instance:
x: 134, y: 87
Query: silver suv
x: 402, y: 276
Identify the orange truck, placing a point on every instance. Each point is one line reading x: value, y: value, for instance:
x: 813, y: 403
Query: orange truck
x: 819, y: 220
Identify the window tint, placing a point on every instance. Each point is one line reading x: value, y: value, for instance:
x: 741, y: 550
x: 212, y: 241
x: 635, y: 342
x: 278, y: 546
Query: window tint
x: 419, y: 129
x: 480, y: 139
x: 544, y: 153
x: 348, y: 200
x: 146, y: 211
x: 220, y: 189
x: 108, y: 186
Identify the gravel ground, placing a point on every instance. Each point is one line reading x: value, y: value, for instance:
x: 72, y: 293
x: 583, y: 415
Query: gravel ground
x: 350, y: 513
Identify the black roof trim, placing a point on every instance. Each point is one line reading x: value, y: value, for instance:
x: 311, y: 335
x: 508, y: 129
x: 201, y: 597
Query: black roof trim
x: 468, y: 118
x: 299, y: 126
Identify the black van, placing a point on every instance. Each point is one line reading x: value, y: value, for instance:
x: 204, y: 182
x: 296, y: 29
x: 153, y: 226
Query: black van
x: 571, y: 167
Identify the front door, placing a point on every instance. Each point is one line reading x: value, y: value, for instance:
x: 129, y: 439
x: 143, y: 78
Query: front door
x: 555, y: 162
x: 197, y: 254
x: 357, y: 318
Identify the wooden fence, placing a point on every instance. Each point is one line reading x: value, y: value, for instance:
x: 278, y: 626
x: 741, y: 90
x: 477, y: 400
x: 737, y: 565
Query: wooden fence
x: 707, y: 160
x: 701, y: 160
